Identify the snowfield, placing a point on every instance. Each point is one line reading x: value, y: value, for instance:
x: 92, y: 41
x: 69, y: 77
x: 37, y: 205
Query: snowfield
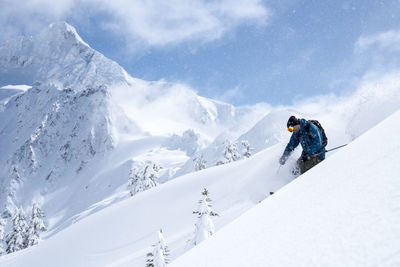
x: 123, y: 233
x: 335, y: 215
x: 343, y: 212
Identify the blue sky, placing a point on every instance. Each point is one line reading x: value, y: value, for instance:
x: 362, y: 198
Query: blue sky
x: 242, y: 52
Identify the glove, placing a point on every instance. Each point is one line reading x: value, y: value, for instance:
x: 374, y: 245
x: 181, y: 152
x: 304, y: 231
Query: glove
x: 282, y: 160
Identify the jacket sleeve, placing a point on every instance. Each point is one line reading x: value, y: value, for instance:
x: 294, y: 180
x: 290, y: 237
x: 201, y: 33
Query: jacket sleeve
x: 316, y: 140
x: 293, y: 143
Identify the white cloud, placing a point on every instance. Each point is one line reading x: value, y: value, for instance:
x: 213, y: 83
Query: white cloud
x: 389, y: 40
x: 29, y: 17
x: 230, y: 96
x: 150, y: 22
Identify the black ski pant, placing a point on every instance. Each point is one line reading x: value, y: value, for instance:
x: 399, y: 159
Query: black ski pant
x: 306, y: 162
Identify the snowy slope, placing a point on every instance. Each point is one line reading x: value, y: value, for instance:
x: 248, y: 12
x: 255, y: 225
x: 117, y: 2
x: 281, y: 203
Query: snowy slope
x: 50, y: 142
x: 335, y: 215
x: 6, y: 92
x: 343, y: 212
x: 122, y: 234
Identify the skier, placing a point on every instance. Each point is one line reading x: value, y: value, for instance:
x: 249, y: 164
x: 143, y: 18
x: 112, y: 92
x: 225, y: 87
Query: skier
x: 312, y: 141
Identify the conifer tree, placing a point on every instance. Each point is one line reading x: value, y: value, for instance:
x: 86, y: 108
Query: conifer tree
x: 143, y: 178
x: 230, y: 152
x: 16, y: 239
x: 204, y: 227
x: 10, y: 208
x: 199, y: 163
x: 247, y: 149
x: 36, y: 225
x: 2, y: 226
x: 134, y: 178
x: 159, y: 256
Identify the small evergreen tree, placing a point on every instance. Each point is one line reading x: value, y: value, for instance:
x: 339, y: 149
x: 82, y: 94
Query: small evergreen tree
x: 141, y: 179
x: 199, y: 163
x: 36, y: 225
x: 159, y: 256
x: 2, y: 226
x: 230, y: 152
x: 17, y: 238
x: 247, y: 149
x: 204, y: 227
x: 134, y: 179
x: 10, y: 209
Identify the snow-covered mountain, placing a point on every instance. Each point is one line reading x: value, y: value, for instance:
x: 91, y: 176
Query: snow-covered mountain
x: 48, y: 133
x: 83, y: 123
x: 58, y: 55
x: 73, y: 137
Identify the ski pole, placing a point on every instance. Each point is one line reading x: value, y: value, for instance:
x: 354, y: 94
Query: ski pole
x: 330, y: 150
x: 336, y: 148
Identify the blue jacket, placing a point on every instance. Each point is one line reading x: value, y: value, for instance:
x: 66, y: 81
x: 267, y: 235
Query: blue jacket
x: 311, y: 141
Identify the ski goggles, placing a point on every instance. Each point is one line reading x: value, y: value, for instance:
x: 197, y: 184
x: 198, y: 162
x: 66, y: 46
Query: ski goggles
x: 290, y: 128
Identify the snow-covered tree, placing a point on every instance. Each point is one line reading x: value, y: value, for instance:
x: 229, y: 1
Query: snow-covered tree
x: 204, y: 227
x: 199, y: 163
x: 16, y: 239
x: 134, y: 178
x: 159, y: 256
x: 36, y: 225
x: 143, y: 177
x: 190, y: 142
x: 230, y: 153
x: 247, y: 149
x: 2, y: 229
x: 9, y: 208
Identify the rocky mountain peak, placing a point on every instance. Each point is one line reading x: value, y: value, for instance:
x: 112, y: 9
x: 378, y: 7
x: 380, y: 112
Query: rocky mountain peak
x: 58, y: 55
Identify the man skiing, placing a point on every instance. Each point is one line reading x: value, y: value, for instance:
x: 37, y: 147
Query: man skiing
x: 311, y: 139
